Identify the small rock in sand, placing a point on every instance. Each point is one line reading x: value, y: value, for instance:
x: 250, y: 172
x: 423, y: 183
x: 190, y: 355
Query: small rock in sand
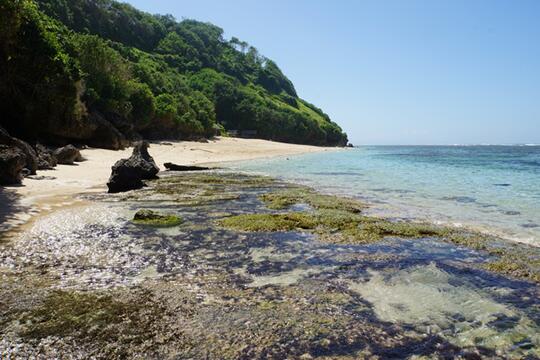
x: 68, y: 155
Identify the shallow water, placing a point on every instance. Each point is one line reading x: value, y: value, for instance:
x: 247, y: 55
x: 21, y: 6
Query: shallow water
x: 438, y: 301
x: 492, y: 188
x: 424, y: 287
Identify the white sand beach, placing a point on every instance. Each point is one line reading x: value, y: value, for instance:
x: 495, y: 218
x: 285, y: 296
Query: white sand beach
x: 20, y: 204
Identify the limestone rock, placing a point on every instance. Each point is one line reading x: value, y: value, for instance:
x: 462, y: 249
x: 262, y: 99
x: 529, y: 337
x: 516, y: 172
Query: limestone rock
x: 12, y: 161
x: 30, y: 156
x: 67, y: 155
x: 127, y: 174
x: 106, y: 135
x: 45, y: 158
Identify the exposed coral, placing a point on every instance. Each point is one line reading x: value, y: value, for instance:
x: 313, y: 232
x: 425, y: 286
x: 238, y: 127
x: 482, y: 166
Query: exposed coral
x: 152, y: 218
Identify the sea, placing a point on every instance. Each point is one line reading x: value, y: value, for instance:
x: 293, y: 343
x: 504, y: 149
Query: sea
x: 488, y: 188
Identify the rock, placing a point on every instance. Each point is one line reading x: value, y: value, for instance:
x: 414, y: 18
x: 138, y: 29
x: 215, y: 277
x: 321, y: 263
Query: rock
x: 45, y: 157
x: 25, y: 172
x: 127, y: 174
x: 152, y: 218
x: 106, y: 135
x: 125, y: 126
x: 350, y: 145
x: 79, y: 157
x: 174, y: 167
x: 67, y: 155
x: 124, y: 177
x: 147, y: 164
x: 12, y: 161
x: 30, y: 156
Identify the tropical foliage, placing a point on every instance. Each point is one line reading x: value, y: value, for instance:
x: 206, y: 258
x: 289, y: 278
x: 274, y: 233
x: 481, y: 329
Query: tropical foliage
x: 64, y: 59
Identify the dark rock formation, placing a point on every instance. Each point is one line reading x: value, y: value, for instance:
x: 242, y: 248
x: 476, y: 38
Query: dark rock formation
x: 45, y: 158
x: 30, y: 156
x: 174, y: 167
x: 127, y: 174
x: 125, y: 126
x: 92, y: 129
x: 106, y: 135
x: 25, y: 172
x: 67, y: 155
x: 12, y: 161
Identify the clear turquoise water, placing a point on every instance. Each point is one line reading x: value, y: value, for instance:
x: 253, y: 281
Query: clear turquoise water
x: 489, y: 188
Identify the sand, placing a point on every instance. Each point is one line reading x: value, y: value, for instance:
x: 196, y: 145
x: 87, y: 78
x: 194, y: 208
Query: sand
x: 20, y: 204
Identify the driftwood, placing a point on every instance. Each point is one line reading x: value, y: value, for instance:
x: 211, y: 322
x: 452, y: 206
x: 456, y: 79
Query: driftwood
x: 175, y: 167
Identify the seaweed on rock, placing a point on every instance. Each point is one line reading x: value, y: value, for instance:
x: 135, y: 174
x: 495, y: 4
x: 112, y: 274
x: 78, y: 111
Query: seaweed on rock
x: 273, y: 280
x: 152, y: 218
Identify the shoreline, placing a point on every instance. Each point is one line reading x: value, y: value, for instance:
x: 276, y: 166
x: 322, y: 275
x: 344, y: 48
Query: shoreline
x: 58, y: 188
x: 398, y: 212
x: 242, y: 245
x: 439, y: 203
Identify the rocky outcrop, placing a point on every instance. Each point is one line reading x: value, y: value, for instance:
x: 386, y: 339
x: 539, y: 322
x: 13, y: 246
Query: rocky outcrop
x: 45, y: 158
x: 30, y: 156
x: 175, y: 167
x: 92, y: 129
x: 12, y: 161
x: 126, y: 127
x: 127, y: 174
x: 67, y: 155
x: 105, y: 135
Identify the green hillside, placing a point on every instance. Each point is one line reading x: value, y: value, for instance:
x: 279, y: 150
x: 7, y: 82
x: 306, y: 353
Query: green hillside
x: 102, y: 73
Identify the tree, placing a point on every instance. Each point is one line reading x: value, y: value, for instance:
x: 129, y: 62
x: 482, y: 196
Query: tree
x: 63, y: 59
x: 143, y: 105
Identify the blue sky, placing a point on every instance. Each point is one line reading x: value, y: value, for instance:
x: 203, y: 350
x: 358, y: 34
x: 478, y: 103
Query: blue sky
x: 398, y: 72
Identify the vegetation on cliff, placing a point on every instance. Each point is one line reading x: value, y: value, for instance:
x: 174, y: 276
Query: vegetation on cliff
x: 101, y: 72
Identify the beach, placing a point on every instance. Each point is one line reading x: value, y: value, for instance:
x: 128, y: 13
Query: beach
x: 52, y: 189
x: 167, y: 191
x: 232, y: 264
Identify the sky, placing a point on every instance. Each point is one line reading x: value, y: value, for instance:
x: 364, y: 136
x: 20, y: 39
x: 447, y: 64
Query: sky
x: 394, y: 71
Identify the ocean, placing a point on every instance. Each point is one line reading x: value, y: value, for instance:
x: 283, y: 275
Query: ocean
x: 494, y: 189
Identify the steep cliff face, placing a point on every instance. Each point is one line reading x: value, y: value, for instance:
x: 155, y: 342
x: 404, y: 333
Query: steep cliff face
x: 103, y: 73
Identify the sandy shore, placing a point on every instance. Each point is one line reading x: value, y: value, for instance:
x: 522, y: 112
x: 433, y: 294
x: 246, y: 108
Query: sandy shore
x: 20, y: 204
